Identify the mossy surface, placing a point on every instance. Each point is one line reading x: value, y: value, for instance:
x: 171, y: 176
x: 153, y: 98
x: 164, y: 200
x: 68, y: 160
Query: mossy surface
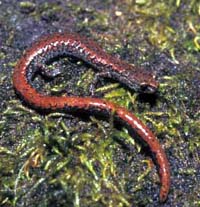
x: 59, y: 159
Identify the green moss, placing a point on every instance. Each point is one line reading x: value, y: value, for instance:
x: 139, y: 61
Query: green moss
x: 2, y: 55
x: 26, y: 4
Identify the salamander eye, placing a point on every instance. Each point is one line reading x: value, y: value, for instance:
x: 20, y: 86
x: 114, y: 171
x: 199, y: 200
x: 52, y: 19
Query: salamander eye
x: 146, y: 88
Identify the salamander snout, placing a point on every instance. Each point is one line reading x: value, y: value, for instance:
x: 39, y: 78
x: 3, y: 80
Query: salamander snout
x: 149, y: 88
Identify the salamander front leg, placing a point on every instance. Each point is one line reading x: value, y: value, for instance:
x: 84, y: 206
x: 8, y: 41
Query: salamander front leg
x: 48, y: 72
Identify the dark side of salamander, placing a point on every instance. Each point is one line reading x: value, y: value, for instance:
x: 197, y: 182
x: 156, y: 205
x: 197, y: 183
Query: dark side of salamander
x: 87, y: 50
x: 36, y: 58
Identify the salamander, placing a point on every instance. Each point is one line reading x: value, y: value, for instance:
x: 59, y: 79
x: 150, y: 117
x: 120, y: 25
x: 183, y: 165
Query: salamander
x: 74, y: 45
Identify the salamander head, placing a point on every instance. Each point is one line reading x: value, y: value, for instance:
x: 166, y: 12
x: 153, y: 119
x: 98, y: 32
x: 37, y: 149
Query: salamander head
x: 141, y: 80
x: 149, y: 86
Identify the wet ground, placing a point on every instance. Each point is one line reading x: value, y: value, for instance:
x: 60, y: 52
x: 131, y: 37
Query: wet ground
x: 60, y: 159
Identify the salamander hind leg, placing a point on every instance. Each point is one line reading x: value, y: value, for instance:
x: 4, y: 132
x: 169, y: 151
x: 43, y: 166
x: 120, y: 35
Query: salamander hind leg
x: 96, y: 79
